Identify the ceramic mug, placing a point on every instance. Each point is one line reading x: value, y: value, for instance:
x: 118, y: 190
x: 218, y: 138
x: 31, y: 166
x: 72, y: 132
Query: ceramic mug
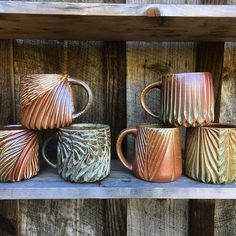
x: 211, y: 153
x: 46, y: 100
x: 186, y: 99
x: 157, y: 152
x: 83, y: 152
x: 19, y: 153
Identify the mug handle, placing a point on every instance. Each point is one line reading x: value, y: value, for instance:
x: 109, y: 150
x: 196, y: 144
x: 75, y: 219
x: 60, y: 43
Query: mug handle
x: 119, y: 141
x: 73, y: 81
x: 44, y: 152
x: 143, y: 97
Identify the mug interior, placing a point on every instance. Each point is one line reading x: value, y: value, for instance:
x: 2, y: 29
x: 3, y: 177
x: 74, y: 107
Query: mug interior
x: 85, y: 127
x: 187, y: 74
x: 157, y: 126
x: 12, y: 127
x: 219, y: 125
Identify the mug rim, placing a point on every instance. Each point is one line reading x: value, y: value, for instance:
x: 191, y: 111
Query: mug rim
x: 27, y: 75
x: 88, y: 127
x: 14, y: 127
x: 187, y: 73
x: 218, y: 126
x: 157, y: 126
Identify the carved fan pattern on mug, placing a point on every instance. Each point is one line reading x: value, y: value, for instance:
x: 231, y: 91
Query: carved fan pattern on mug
x: 18, y: 155
x: 38, y: 103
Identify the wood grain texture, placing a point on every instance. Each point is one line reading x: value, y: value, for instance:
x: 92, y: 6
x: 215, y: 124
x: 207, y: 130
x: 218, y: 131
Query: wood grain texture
x: 210, y: 57
x: 152, y: 217
x: 201, y: 217
x: 61, y: 217
x: 224, y: 217
x: 116, y: 217
x: 6, y: 82
x: 174, y: 23
x: 8, y: 213
x: 228, y: 91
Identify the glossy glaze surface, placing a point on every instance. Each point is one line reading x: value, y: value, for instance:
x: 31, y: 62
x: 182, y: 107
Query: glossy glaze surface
x: 19, y: 154
x: 157, y: 153
x: 186, y: 99
x: 46, y: 101
x: 211, y: 154
x: 84, y: 152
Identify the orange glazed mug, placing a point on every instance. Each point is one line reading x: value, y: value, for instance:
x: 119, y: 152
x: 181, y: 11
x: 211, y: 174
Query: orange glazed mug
x: 19, y: 153
x: 186, y: 99
x: 157, y: 152
x: 46, y: 100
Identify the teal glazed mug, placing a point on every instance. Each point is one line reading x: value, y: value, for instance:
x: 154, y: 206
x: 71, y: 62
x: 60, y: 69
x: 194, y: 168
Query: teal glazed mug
x: 83, y: 152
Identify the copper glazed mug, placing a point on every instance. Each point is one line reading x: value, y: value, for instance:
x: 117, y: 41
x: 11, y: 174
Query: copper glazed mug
x: 46, y: 100
x: 211, y: 153
x: 19, y: 153
x: 186, y: 99
x: 157, y: 152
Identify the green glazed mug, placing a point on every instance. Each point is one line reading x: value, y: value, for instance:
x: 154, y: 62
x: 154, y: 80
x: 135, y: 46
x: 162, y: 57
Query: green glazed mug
x: 83, y: 152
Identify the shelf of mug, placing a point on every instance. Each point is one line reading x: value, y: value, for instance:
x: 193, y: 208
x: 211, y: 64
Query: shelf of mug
x: 119, y: 184
x: 99, y: 21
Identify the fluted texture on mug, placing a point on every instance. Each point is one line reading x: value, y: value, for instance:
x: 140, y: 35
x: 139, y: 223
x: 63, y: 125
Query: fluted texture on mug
x: 18, y: 155
x: 211, y: 154
x: 158, y: 155
x: 188, y: 100
x: 84, y: 156
x: 39, y: 108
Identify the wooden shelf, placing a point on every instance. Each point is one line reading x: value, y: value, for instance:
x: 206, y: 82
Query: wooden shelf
x: 85, y: 21
x: 120, y: 184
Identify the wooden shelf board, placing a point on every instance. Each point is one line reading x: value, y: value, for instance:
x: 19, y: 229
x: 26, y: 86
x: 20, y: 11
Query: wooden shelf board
x: 119, y: 184
x: 91, y: 21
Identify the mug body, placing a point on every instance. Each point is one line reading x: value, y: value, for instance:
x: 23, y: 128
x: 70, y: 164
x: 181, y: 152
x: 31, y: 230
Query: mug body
x: 84, y: 152
x: 45, y: 101
x: 187, y: 99
x: 157, y: 153
x: 19, y: 153
x: 211, y: 153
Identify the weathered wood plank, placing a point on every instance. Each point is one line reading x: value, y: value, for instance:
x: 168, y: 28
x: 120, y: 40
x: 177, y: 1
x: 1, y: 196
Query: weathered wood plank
x: 114, y: 75
x: 210, y: 57
x: 6, y: 82
x: 225, y: 217
x: 132, y: 22
x: 201, y: 217
x: 176, y: 8
x: 116, y: 217
x: 61, y: 217
x: 7, y: 208
x: 164, y: 217
x: 228, y: 92
x: 120, y: 184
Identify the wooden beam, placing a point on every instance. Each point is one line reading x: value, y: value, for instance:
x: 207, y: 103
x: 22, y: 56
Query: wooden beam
x: 117, y: 21
x: 120, y: 184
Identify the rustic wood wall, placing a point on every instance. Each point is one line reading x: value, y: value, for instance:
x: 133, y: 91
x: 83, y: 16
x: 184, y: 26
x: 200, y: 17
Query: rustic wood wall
x: 117, y: 72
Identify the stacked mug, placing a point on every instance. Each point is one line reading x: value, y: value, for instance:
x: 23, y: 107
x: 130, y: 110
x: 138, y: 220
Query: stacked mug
x: 46, y: 102
x: 187, y: 100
